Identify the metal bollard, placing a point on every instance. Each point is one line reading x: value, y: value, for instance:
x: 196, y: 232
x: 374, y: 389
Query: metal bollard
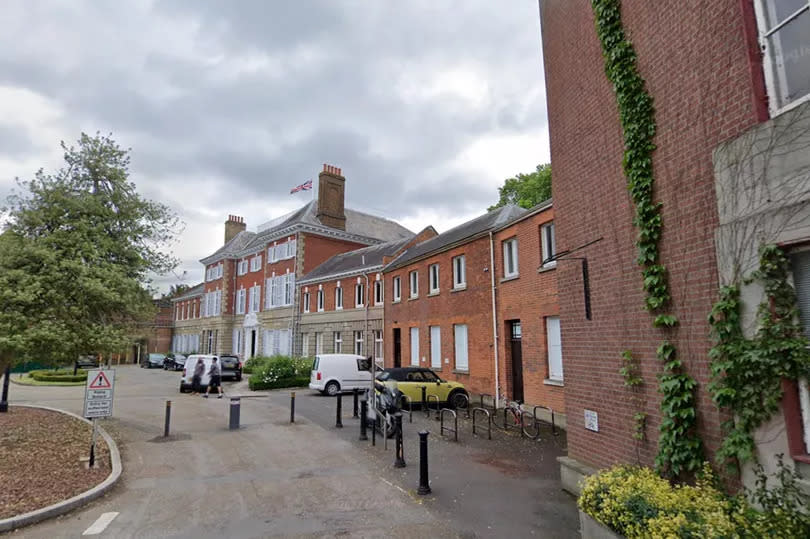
x: 339, y: 412
x: 292, y: 406
x: 424, y: 484
x: 236, y: 404
x: 399, y: 454
x: 168, y: 418
x: 363, y: 415
x: 424, y: 401
x: 356, y: 397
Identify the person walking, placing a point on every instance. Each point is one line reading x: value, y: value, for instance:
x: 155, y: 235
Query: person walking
x: 215, y: 374
x: 196, y: 379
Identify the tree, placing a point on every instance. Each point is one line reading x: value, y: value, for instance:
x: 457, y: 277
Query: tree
x: 75, y: 256
x: 526, y: 190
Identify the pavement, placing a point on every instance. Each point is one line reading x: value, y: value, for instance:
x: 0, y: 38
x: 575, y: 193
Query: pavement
x: 309, y: 479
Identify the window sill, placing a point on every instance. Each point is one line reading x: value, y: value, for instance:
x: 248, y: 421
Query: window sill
x: 460, y: 371
x: 510, y: 278
x: 397, y: 301
x: 458, y: 289
x: 436, y: 293
x: 543, y: 269
x: 553, y: 382
x: 413, y: 298
x: 338, y: 308
x: 359, y: 307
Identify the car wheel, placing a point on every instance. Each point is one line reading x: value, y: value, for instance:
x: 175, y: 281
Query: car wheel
x: 458, y: 399
x: 332, y: 388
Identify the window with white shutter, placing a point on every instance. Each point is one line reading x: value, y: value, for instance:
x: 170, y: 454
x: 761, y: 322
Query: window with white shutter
x: 415, y: 347
x: 435, y: 347
x: 462, y: 359
x: 554, y: 343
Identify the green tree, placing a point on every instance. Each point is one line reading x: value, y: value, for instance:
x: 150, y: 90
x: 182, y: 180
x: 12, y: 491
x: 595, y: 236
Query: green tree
x: 75, y: 257
x: 526, y: 190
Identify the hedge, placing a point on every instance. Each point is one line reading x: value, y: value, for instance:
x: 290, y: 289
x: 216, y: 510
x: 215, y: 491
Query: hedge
x: 59, y: 376
x: 279, y: 372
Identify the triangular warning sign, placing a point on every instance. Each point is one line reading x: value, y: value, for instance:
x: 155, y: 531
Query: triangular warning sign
x: 100, y: 382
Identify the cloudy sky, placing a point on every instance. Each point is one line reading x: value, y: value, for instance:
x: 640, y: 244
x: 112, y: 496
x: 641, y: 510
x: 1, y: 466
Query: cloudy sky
x: 427, y: 105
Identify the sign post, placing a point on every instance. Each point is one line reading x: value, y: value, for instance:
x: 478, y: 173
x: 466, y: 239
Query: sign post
x: 98, y: 401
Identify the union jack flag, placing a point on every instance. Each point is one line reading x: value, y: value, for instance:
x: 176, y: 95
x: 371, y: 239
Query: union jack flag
x: 306, y: 186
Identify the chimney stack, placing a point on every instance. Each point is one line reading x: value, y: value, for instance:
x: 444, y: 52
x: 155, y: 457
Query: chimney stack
x: 233, y: 226
x: 331, y: 195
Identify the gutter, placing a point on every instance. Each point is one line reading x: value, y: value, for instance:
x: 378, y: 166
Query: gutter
x: 494, y: 315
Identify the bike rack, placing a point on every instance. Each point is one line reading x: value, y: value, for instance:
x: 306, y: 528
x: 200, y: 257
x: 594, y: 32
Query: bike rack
x: 382, y: 417
x: 466, y: 406
x: 492, y: 399
x: 507, y: 426
x: 489, y: 420
x: 537, y: 421
x: 403, y: 400
x: 442, y: 428
x: 532, y: 423
x: 438, y: 405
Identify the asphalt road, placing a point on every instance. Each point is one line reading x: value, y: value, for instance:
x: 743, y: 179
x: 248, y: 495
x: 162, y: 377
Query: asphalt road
x: 309, y: 479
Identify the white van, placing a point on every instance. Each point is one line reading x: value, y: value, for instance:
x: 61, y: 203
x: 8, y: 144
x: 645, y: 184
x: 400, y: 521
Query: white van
x: 188, y: 371
x: 334, y: 373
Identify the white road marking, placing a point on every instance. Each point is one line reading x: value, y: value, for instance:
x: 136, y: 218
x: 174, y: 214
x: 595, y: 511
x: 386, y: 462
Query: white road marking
x: 101, y: 524
x: 393, y: 485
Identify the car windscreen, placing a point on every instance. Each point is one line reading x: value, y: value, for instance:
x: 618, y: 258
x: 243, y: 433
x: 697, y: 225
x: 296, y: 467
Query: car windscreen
x: 383, y: 376
x: 430, y: 376
x: 229, y: 361
x: 315, y: 363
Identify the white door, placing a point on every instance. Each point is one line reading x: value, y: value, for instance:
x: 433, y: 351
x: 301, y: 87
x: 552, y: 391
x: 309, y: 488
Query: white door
x: 415, y: 347
x: 555, y: 365
x: 436, y: 347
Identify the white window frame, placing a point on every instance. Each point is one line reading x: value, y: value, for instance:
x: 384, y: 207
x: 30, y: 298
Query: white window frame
x: 359, y: 295
x: 338, y: 342
x: 319, y: 300
x: 435, y: 347
x: 397, y: 286
x: 359, y: 341
x: 461, y: 344
x: 289, y: 289
x: 378, y: 292
x: 241, y: 295
x: 256, y: 263
x: 414, y: 336
x: 338, y: 297
x: 774, y: 72
x: 548, y: 242
x: 291, y: 248
x: 510, y: 258
x: 413, y: 284
x: 554, y: 352
x: 306, y: 302
x: 218, y: 302
x: 459, y: 272
x: 273, y: 253
x: 305, y: 345
x: 433, y: 279
x: 378, y: 345
x: 318, y: 343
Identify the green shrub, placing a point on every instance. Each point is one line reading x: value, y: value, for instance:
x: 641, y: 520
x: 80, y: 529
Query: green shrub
x: 59, y: 375
x: 636, y: 502
x: 254, y: 364
x: 280, y: 371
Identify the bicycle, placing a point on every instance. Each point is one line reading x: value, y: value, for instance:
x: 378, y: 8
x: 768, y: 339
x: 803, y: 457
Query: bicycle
x: 513, y: 414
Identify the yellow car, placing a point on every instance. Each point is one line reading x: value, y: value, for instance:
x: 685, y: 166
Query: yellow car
x: 411, y: 380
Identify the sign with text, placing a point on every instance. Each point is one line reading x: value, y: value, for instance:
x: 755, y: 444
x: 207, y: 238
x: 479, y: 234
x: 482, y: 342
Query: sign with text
x: 591, y: 420
x: 98, y: 394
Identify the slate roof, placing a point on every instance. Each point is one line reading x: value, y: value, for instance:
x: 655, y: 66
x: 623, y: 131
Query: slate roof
x: 460, y: 234
x: 356, y: 261
x: 195, y: 290
x: 363, y: 226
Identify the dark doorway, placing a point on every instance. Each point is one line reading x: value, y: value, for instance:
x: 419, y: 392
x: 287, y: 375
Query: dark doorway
x: 252, y: 342
x: 517, y: 360
x: 397, y: 348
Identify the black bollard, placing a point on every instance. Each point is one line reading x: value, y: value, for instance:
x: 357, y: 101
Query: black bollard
x: 424, y: 484
x: 4, y: 399
x: 363, y: 414
x: 399, y: 453
x: 292, y: 406
x: 356, y: 396
x: 374, y: 430
x: 424, y: 401
x: 233, y: 424
x: 339, y: 412
x: 168, y: 419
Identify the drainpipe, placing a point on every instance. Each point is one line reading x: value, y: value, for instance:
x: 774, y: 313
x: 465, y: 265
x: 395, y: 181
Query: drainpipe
x: 365, y: 333
x: 494, y: 315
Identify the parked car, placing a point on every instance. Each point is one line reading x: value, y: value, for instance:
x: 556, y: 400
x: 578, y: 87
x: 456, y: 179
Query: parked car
x: 231, y: 367
x: 174, y: 362
x: 411, y: 380
x: 335, y: 373
x: 153, y: 360
x: 87, y: 362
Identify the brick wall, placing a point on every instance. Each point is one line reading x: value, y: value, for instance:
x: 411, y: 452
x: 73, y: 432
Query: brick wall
x: 471, y: 306
x: 530, y: 298
x: 693, y: 56
x: 318, y: 249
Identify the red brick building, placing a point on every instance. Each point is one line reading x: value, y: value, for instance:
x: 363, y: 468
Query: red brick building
x: 716, y: 98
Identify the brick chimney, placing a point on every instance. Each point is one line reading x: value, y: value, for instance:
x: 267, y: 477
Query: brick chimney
x: 233, y: 226
x: 331, y: 194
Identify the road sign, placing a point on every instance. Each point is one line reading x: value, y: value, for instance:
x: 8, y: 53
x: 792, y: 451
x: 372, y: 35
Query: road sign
x: 98, y: 394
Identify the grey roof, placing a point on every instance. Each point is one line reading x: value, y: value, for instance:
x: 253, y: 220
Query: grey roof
x: 195, y: 290
x: 460, y: 234
x: 237, y: 244
x: 356, y: 261
x: 546, y: 204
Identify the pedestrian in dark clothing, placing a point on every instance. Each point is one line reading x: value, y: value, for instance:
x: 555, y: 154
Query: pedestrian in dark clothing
x: 215, y: 375
x: 196, y: 379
